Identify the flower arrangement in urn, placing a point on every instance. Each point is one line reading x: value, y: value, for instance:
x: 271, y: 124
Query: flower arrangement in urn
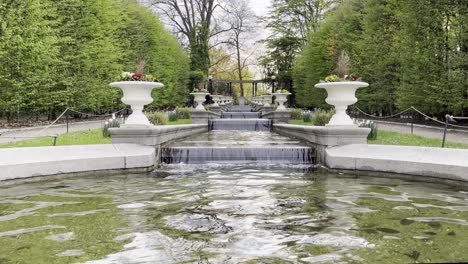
x: 341, y: 91
x: 138, y: 75
x: 342, y: 70
x: 136, y: 88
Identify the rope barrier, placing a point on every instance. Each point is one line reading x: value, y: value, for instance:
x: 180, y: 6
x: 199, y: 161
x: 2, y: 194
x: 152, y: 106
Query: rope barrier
x: 406, y: 110
x: 69, y: 109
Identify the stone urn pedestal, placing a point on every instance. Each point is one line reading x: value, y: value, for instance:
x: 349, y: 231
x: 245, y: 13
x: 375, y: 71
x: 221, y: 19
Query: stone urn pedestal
x: 137, y: 94
x: 281, y: 98
x: 199, y: 97
x: 341, y: 95
x: 266, y: 100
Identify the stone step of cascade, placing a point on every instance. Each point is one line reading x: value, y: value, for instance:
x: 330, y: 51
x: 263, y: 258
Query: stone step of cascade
x: 286, y: 154
x: 240, y: 115
x: 241, y: 108
x: 252, y: 124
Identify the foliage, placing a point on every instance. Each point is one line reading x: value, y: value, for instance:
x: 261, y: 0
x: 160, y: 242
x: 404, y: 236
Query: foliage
x: 372, y: 125
x: 412, y: 53
x: 296, y: 113
x: 196, y: 77
x: 158, y: 118
x: 110, y: 124
x: 321, y: 117
x: 183, y: 112
x: 173, y: 117
x: 58, y: 54
x: 307, y: 117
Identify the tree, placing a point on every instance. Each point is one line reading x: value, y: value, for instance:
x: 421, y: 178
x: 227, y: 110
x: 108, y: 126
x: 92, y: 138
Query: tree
x: 195, y: 20
x: 379, y: 40
x: 242, y: 23
x: 340, y: 31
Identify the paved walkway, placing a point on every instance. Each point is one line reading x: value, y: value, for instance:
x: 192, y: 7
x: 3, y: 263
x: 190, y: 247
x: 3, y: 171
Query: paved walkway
x: 453, y: 135
x: 34, y: 132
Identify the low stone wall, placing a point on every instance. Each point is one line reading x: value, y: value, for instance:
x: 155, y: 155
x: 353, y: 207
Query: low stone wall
x: 278, y: 117
x: 322, y: 137
x: 440, y: 163
x: 156, y: 135
x: 202, y: 117
x: 18, y: 163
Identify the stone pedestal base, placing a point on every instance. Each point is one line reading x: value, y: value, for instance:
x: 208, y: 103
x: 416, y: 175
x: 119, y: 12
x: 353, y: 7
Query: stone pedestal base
x: 216, y: 109
x: 202, y: 117
x: 266, y: 109
x: 278, y: 117
x: 323, y: 137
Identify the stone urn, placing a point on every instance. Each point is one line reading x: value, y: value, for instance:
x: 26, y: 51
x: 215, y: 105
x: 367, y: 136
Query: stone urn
x: 341, y: 95
x: 266, y: 100
x: 281, y: 98
x: 199, y: 97
x: 137, y: 94
x: 215, y: 100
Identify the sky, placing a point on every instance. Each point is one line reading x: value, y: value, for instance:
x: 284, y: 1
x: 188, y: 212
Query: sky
x: 260, y: 7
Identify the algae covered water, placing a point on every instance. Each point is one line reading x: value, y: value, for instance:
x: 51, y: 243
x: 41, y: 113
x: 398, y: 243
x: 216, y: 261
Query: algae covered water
x: 232, y: 214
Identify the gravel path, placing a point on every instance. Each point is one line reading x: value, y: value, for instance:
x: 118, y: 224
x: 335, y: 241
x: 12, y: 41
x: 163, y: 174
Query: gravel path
x: 429, y: 132
x: 34, y: 132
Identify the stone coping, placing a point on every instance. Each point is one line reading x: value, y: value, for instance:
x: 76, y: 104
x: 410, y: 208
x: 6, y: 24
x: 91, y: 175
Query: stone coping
x: 155, y: 135
x: 442, y: 163
x: 325, y: 135
x: 17, y: 163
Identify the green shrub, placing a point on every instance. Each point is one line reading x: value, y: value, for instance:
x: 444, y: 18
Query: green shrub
x: 183, y: 112
x: 158, y: 118
x: 296, y: 114
x: 322, y: 117
x: 307, y: 117
x: 109, y: 124
x: 173, y: 117
x: 373, y: 126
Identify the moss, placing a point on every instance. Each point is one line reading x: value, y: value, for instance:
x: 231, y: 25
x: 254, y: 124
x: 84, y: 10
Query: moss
x: 444, y: 242
x: 382, y: 189
x: 93, y: 233
x: 315, y: 250
x: 268, y: 261
x: 9, y: 208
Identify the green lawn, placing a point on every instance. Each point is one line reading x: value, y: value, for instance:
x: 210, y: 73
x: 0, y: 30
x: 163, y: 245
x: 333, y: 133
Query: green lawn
x: 75, y: 138
x: 301, y: 122
x: 395, y: 138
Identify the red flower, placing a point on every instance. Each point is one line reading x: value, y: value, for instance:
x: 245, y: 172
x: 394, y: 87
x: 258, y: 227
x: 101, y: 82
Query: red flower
x: 136, y: 76
x: 353, y: 77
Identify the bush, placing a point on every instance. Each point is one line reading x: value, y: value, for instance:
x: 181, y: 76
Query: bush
x: 183, y: 112
x: 173, y: 117
x: 322, y: 117
x: 158, y: 118
x: 373, y: 126
x: 109, y: 124
x: 296, y: 114
x: 307, y: 117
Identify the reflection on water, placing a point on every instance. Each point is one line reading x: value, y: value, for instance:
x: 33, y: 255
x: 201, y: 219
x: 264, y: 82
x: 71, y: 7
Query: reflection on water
x: 232, y: 214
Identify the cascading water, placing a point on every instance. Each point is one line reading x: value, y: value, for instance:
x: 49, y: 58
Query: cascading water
x: 240, y: 136
x: 254, y: 124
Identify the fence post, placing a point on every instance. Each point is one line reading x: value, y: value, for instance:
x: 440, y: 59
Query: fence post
x: 66, y: 117
x: 55, y: 140
x: 447, y: 118
x: 412, y: 128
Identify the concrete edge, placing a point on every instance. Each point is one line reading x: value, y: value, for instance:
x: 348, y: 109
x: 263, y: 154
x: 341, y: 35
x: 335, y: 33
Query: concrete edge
x: 380, y: 159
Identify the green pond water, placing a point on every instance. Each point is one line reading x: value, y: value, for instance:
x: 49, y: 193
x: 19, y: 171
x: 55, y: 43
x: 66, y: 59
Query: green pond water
x: 232, y: 214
